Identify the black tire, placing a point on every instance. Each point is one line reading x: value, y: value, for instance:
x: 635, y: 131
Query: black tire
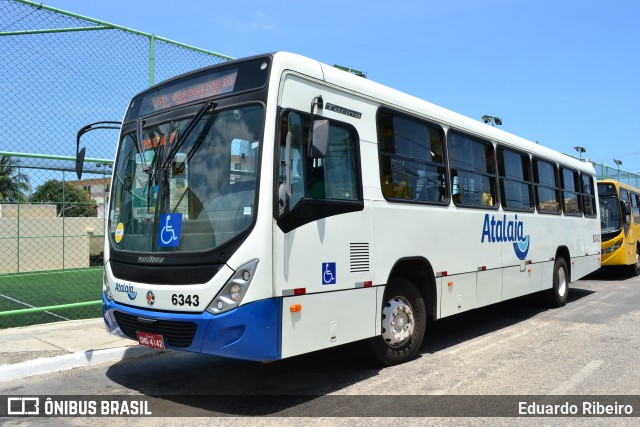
x: 559, y: 292
x: 403, y: 306
x: 634, y: 269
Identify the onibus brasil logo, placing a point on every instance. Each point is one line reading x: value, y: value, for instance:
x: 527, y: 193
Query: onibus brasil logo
x: 502, y: 230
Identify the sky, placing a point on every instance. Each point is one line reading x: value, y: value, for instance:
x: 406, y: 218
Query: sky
x: 564, y: 73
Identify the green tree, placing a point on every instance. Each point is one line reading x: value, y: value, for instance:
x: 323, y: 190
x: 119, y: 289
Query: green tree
x: 14, y: 185
x: 76, y: 201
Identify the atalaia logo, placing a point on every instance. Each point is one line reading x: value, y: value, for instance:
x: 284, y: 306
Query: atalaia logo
x: 503, y: 230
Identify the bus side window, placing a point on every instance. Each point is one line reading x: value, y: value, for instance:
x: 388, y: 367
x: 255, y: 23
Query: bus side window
x: 545, y: 176
x: 472, y: 171
x: 624, y: 196
x: 291, y: 134
x: 636, y: 207
x: 411, y: 155
x: 588, y: 197
x: 515, y: 180
x: 337, y: 171
x: 315, y: 186
x: 570, y: 197
x: 331, y: 177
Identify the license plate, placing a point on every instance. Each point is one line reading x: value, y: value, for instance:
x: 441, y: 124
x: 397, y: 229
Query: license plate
x: 151, y: 340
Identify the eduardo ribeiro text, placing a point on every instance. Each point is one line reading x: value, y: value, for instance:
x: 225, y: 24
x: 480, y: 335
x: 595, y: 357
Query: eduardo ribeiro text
x: 588, y: 408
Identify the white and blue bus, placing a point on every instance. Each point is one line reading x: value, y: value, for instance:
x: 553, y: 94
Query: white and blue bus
x: 272, y: 206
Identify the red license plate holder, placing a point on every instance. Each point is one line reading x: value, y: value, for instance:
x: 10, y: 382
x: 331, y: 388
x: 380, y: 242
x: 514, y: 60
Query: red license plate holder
x: 151, y: 340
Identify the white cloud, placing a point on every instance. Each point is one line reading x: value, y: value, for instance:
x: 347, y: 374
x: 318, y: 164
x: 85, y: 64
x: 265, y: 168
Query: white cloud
x: 258, y: 22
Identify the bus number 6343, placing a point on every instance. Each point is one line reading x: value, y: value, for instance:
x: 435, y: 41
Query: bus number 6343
x: 191, y: 300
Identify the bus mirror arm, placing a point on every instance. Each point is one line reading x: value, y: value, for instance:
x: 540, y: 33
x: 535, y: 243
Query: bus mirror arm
x: 318, y: 139
x: 88, y: 128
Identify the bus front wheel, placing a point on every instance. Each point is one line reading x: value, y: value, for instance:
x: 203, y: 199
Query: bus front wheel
x: 403, y: 324
x: 557, y: 295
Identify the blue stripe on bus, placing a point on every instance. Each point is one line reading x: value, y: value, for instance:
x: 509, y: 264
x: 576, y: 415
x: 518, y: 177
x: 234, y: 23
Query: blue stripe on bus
x: 251, y: 332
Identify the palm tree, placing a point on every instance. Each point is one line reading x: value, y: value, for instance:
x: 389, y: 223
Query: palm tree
x: 14, y: 185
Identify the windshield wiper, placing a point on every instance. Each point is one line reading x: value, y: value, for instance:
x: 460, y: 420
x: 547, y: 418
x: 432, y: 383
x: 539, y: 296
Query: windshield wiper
x: 140, y: 146
x: 183, y: 136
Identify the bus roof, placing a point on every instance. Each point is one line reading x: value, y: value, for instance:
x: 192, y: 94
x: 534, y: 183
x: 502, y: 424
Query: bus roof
x: 412, y: 105
x: 401, y: 101
x: 619, y: 184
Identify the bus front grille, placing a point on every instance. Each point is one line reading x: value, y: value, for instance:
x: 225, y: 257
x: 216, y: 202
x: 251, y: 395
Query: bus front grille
x: 163, y: 275
x: 175, y: 334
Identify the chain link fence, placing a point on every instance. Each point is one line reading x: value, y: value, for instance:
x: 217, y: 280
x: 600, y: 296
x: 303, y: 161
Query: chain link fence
x: 606, y: 172
x: 62, y: 71
x: 51, y: 241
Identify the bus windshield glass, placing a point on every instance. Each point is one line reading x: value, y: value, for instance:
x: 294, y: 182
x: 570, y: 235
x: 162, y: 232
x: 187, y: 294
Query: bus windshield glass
x: 195, y: 200
x: 610, y: 218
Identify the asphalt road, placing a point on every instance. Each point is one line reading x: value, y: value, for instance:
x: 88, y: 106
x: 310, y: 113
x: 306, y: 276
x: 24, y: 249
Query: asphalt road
x: 589, y: 347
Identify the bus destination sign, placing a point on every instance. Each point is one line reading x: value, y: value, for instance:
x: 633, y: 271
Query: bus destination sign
x: 216, y: 86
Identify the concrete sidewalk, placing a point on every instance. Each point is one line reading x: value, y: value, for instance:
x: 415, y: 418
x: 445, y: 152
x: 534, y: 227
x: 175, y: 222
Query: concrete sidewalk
x: 39, y: 349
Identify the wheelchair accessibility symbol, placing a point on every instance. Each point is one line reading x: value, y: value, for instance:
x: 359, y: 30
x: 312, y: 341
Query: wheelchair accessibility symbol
x: 328, y: 273
x: 170, y: 227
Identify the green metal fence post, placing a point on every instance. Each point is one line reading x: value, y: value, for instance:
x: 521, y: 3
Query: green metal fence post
x: 152, y: 59
x: 49, y: 308
x: 18, y: 232
x: 64, y: 183
x: 28, y: 26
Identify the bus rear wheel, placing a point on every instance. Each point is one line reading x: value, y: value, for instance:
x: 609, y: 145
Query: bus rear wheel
x: 403, y: 324
x: 559, y: 292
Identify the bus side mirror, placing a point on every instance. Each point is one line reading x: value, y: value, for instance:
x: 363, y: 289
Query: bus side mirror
x: 88, y: 128
x: 80, y: 161
x: 319, y: 139
x: 625, y: 208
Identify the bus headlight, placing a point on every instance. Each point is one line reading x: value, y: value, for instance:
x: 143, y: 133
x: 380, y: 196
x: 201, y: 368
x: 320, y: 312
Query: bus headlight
x: 613, y: 248
x: 232, y: 293
x: 106, y: 290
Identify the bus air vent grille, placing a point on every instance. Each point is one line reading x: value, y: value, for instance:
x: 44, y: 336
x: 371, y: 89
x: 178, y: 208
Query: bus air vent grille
x: 359, y: 257
x: 175, y: 334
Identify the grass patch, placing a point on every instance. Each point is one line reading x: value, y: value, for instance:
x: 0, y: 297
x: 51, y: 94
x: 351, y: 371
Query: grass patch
x: 42, y: 289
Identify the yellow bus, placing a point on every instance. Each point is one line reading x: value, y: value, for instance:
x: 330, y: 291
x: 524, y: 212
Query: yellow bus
x: 620, y: 224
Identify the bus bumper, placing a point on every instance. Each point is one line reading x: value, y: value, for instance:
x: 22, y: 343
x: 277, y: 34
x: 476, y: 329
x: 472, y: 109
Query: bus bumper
x: 612, y: 255
x: 250, y: 332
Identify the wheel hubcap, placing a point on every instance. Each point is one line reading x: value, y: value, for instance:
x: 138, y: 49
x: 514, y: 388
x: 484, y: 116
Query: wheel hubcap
x: 398, y: 322
x: 562, y: 282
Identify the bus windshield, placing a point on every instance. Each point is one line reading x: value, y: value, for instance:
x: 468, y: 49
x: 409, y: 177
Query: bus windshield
x: 198, y: 198
x: 610, y: 218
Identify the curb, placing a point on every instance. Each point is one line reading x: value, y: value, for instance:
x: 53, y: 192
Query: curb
x: 70, y: 361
